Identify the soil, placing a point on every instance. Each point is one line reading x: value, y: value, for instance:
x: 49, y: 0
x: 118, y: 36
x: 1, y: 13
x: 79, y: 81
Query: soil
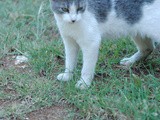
x: 50, y: 113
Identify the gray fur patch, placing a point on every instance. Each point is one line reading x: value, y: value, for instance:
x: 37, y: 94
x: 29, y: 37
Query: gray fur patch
x: 100, y: 8
x: 130, y: 10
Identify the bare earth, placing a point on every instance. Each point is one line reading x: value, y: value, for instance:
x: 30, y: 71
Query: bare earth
x: 51, y: 113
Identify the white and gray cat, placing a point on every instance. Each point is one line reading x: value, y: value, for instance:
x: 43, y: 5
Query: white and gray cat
x: 83, y: 23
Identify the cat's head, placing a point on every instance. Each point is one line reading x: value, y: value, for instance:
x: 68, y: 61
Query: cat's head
x: 69, y: 10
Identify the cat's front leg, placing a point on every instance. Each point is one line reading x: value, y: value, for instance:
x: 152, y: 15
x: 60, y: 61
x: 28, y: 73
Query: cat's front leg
x: 90, y: 56
x: 71, y: 52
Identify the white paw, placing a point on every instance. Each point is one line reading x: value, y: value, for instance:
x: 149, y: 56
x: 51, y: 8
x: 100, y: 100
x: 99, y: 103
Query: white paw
x: 81, y: 84
x: 127, y: 62
x: 65, y: 76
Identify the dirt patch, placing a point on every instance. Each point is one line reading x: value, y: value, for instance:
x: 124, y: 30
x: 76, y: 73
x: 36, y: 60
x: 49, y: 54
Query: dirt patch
x: 15, y: 62
x: 1, y: 102
x: 50, y: 113
x: 57, y: 112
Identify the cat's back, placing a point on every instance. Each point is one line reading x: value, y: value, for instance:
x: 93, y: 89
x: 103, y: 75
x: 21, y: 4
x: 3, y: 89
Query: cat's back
x: 100, y: 8
x: 121, y: 17
x: 129, y: 10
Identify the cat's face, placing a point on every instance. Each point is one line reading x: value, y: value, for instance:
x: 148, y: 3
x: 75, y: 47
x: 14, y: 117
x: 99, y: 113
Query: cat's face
x: 69, y: 10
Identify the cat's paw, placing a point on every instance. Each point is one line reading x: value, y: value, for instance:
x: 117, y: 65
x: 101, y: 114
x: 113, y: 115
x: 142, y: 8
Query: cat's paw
x: 127, y: 62
x: 81, y: 84
x: 65, y: 76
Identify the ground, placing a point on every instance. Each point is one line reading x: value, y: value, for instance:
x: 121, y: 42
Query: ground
x: 58, y: 112
x: 32, y: 55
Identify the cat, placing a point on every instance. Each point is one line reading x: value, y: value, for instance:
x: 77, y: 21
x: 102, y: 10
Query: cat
x: 83, y: 23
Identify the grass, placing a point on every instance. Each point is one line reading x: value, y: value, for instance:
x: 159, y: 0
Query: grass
x: 28, y: 28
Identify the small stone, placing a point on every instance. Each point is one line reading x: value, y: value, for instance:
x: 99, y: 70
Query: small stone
x: 21, y: 59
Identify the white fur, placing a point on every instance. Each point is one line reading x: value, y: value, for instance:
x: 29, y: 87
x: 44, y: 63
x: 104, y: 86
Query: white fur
x: 86, y: 34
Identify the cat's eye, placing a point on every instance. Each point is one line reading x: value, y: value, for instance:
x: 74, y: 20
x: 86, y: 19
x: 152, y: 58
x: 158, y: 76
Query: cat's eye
x: 80, y: 9
x: 65, y: 10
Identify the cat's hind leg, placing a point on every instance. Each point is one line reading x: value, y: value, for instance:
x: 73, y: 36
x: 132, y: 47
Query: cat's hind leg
x: 144, y: 45
x: 71, y: 52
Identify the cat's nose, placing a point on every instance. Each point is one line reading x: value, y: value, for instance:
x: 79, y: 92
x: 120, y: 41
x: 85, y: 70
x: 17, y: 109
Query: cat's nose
x: 73, y: 21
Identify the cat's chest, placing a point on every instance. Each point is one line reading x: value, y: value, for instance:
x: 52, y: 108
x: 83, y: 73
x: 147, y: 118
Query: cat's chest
x: 72, y: 30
